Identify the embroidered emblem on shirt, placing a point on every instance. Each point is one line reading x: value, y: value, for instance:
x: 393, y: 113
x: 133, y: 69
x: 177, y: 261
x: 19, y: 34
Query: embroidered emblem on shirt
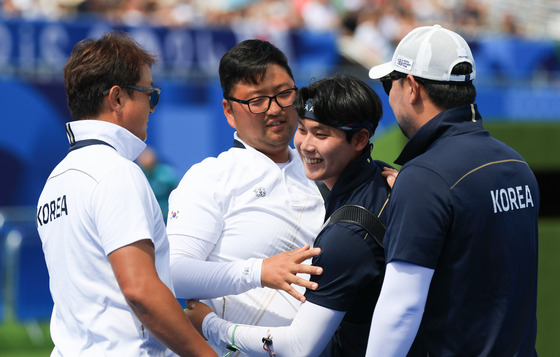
x: 260, y: 191
x: 174, y: 214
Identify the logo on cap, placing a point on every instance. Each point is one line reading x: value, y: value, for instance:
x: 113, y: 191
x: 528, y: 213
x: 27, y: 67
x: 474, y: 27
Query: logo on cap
x: 309, y: 105
x: 404, y: 63
x: 462, y: 53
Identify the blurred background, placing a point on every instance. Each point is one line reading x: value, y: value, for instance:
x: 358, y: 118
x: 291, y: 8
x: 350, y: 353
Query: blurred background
x: 515, y: 44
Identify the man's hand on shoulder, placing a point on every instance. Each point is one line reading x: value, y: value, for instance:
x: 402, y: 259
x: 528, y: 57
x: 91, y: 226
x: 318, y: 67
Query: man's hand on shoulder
x: 390, y: 175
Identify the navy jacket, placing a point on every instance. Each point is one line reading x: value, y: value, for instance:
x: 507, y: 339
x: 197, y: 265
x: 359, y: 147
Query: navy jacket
x: 353, y: 263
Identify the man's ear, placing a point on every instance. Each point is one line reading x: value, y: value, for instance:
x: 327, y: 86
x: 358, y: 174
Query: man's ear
x: 228, y: 112
x: 415, y: 88
x: 361, y: 139
x: 115, y: 97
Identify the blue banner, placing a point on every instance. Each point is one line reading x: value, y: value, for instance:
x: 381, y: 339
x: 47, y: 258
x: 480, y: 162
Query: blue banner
x: 189, y: 124
x: 41, y: 48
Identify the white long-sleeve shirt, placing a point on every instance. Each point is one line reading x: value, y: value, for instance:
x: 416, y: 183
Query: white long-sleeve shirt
x: 240, y: 208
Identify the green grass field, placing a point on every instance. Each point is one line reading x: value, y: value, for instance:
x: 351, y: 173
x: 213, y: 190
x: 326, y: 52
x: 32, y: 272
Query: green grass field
x: 15, y: 339
x: 18, y: 340
x: 548, y: 309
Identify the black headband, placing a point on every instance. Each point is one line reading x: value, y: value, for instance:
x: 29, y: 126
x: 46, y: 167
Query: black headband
x: 356, y: 126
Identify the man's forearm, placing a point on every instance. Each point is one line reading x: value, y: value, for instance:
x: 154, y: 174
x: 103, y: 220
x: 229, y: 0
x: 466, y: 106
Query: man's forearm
x: 153, y: 302
x: 158, y: 310
x: 195, y: 279
x: 399, y: 309
x: 308, y: 334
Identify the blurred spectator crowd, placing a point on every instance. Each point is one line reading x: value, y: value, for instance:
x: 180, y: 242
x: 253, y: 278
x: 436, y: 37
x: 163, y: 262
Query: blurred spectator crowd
x: 367, y: 29
x: 390, y: 17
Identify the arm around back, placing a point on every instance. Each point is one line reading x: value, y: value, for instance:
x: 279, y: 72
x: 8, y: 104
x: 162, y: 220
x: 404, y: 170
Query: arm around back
x: 308, y: 335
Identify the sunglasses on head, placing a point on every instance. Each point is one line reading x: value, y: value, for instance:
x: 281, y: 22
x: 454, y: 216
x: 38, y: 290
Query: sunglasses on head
x: 387, y: 81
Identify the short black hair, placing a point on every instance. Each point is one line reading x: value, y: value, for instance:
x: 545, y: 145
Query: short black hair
x: 247, y: 62
x: 341, y: 100
x: 452, y: 94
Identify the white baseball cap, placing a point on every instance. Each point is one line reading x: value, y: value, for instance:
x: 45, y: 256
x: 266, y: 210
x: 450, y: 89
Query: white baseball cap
x: 429, y: 52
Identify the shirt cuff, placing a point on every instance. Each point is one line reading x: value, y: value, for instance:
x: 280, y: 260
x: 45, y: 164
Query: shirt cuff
x: 215, y: 330
x: 252, y: 272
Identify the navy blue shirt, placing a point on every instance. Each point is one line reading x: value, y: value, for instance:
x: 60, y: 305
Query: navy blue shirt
x: 353, y: 263
x: 466, y: 205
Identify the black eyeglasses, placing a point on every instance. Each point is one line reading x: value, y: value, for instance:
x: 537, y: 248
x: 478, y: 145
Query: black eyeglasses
x: 154, y: 96
x: 260, y: 104
x: 387, y: 81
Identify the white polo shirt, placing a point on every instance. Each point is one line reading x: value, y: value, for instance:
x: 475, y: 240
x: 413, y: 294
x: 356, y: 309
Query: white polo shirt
x: 249, y: 207
x: 95, y: 201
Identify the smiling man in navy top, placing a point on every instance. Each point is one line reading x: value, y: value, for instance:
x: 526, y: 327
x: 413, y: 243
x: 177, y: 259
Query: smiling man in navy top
x: 461, y: 244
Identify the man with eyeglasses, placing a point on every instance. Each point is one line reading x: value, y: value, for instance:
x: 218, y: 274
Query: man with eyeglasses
x: 102, y: 230
x: 231, y: 214
x: 461, y: 243
x: 338, y: 116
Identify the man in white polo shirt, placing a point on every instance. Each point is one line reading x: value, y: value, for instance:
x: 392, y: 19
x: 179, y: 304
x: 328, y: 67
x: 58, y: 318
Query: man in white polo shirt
x: 102, y: 230
x: 230, y: 214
